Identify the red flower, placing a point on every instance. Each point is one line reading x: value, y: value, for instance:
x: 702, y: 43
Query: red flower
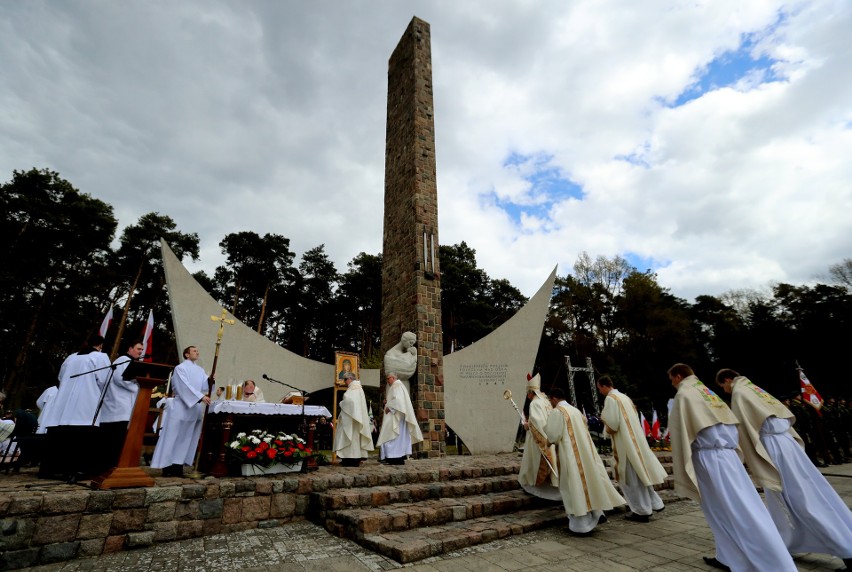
x: 301, y: 447
x: 251, y: 454
x: 263, y: 447
x: 271, y: 453
x: 288, y: 453
x: 279, y: 442
x: 245, y: 448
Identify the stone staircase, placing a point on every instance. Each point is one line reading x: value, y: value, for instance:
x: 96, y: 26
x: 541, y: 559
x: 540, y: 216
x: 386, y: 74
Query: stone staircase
x: 411, y: 514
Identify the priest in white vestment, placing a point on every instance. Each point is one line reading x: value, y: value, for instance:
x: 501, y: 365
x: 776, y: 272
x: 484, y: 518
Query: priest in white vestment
x: 72, y: 437
x: 637, y: 468
x: 399, y: 425
x: 586, y: 488
x: 352, y: 437
x: 182, y: 427
x: 807, y: 511
x: 536, y: 476
x: 707, y: 469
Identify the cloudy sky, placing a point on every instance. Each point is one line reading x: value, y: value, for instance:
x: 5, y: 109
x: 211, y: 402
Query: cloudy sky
x: 708, y: 140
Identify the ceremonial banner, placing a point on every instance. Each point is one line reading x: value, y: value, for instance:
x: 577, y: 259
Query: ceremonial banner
x: 645, y: 426
x: 809, y: 394
x: 148, y: 338
x: 655, y: 426
x: 106, y: 322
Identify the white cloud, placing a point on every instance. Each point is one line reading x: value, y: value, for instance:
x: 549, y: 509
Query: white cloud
x: 270, y: 117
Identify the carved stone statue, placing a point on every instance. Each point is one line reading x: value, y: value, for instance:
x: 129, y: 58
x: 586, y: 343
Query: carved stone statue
x: 401, y: 359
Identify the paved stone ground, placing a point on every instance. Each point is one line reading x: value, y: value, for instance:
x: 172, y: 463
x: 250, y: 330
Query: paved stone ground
x: 674, y: 540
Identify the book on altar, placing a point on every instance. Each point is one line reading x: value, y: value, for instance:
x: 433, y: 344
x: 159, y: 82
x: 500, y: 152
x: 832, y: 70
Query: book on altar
x: 294, y: 398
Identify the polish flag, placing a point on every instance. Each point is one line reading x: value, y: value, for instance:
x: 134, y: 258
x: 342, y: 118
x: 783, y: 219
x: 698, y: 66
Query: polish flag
x: 655, y: 426
x: 809, y: 392
x: 148, y: 338
x: 645, y: 426
x: 105, y: 324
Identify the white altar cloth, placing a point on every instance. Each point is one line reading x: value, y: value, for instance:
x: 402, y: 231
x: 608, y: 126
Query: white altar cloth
x: 249, y: 408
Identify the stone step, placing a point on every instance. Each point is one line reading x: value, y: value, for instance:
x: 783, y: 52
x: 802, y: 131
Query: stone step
x: 416, y: 544
x: 338, y: 499
x: 355, y: 523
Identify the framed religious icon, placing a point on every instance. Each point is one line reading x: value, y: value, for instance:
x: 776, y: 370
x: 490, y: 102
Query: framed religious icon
x: 345, y: 363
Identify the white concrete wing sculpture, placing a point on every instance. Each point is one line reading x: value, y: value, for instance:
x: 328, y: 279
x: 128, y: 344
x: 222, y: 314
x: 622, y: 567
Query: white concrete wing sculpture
x: 476, y: 377
x: 244, y: 353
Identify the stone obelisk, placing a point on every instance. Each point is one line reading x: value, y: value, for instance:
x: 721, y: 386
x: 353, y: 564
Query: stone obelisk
x: 411, y: 278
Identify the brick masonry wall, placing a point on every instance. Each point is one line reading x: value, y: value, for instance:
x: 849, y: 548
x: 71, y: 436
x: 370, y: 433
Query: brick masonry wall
x: 411, y: 280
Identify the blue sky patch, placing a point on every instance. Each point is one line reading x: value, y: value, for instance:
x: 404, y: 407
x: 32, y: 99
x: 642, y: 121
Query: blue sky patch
x: 643, y: 263
x: 727, y: 69
x: 547, y: 183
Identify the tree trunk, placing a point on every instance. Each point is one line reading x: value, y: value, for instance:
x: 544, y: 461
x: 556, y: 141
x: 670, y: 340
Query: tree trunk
x: 21, y: 359
x: 263, y: 309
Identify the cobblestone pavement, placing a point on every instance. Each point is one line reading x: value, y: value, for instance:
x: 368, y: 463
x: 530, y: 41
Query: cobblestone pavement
x: 674, y: 540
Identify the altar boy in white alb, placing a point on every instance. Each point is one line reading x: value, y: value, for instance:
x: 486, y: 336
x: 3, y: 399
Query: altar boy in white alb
x: 637, y: 469
x: 399, y: 424
x: 808, y: 513
x: 707, y: 469
x: 182, y: 427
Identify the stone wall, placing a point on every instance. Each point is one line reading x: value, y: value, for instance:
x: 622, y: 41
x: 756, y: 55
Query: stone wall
x: 411, y: 279
x: 43, y: 527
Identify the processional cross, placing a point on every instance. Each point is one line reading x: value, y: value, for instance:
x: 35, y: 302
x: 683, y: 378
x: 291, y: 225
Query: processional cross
x: 223, y: 319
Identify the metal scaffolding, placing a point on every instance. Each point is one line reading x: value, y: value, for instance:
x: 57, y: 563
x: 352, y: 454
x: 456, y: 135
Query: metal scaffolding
x: 588, y: 370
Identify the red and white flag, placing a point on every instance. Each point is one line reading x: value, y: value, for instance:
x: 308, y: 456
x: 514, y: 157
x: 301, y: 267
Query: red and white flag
x: 809, y: 392
x: 105, y: 324
x: 645, y: 427
x: 655, y: 426
x: 148, y: 338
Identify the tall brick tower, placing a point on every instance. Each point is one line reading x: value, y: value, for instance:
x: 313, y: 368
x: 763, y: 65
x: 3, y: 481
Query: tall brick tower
x: 411, y: 279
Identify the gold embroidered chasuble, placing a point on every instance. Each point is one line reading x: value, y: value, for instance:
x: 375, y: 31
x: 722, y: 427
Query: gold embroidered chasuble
x: 583, y: 480
x: 752, y: 406
x: 629, y: 444
x: 696, y: 407
x: 534, y: 470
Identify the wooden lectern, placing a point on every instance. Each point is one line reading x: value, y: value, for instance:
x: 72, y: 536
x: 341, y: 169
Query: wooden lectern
x: 128, y: 473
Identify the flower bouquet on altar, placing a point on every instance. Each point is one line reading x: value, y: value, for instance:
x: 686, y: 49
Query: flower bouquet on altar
x: 262, y: 452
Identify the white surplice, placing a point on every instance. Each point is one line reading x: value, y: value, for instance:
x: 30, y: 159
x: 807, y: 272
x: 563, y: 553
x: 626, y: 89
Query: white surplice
x: 78, y: 397
x: 120, y: 394
x: 45, y: 404
x: 746, y: 538
x: 182, y: 426
x: 808, y: 512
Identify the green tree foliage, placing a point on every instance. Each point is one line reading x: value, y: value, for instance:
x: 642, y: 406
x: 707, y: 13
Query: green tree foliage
x: 52, y: 288
x: 359, y: 304
x: 59, y: 274
x: 257, y: 280
x: 472, y: 304
x: 313, y: 332
x: 141, y: 282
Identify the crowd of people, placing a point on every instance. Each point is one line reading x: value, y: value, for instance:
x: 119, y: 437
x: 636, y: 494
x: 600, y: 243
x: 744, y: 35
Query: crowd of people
x: 781, y: 441
x: 710, y: 441
x: 826, y: 432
